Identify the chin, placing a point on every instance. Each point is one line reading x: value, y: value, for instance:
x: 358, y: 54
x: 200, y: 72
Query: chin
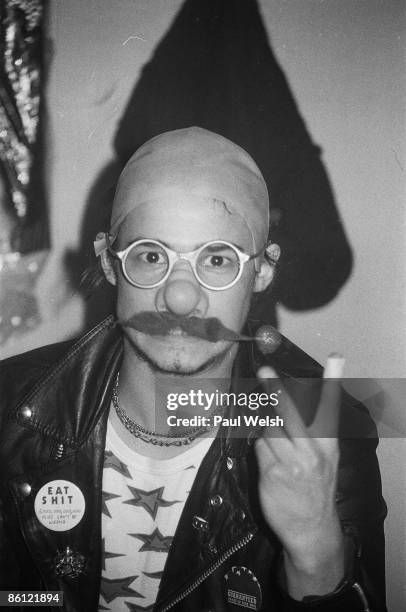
x: 179, y: 368
x: 177, y: 364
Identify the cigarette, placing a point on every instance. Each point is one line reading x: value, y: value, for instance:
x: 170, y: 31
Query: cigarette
x: 334, y: 366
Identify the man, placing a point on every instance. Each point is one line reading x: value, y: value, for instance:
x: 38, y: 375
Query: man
x: 104, y: 499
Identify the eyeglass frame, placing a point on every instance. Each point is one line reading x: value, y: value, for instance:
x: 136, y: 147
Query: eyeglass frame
x: 175, y: 256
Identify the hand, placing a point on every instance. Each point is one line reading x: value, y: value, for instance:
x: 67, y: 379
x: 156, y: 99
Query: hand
x: 297, y: 486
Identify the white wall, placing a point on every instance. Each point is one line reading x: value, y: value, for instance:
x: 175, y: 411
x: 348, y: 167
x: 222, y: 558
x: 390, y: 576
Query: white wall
x: 345, y: 63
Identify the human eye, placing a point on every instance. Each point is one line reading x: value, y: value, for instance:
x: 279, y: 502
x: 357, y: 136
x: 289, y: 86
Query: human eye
x: 147, y: 254
x: 218, y: 257
x: 151, y: 257
x: 215, y: 261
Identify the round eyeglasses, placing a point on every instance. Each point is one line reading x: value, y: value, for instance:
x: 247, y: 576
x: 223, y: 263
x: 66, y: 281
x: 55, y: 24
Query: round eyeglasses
x: 217, y: 264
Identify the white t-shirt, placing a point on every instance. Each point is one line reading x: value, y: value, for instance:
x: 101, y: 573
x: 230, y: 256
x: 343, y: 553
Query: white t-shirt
x: 142, y: 501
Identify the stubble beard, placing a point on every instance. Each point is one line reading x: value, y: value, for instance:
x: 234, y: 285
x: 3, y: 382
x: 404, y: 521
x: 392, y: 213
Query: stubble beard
x: 177, y: 366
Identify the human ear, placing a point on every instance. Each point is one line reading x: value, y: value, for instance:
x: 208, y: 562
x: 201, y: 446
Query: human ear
x: 264, y: 276
x: 108, y: 268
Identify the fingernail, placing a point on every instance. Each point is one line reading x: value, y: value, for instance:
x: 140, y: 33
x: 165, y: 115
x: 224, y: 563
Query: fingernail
x: 334, y: 366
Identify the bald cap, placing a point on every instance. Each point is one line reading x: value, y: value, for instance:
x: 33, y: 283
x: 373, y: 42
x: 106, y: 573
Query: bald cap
x: 196, y: 162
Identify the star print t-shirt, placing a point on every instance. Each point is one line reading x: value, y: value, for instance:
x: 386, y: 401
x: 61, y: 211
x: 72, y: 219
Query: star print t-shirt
x: 142, y: 501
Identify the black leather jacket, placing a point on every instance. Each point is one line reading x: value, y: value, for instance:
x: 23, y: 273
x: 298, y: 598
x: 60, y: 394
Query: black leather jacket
x: 54, y: 408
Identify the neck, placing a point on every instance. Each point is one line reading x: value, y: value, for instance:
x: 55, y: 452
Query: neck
x: 143, y: 391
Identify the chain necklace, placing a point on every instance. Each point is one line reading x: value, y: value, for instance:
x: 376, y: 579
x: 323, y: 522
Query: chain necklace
x: 153, y: 437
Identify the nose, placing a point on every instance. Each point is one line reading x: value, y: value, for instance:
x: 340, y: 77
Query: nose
x: 182, y: 293
x: 181, y: 296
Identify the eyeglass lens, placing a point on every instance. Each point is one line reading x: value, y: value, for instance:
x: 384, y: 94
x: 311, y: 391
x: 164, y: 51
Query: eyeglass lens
x: 217, y: 265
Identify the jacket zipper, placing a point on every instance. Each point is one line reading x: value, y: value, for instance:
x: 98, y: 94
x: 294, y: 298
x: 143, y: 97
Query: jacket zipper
x: 58, y: 453
x: 243, y: 542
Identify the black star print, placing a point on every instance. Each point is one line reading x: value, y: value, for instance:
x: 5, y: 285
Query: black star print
x: 105, y: 498
x: 119, y: 587
x: 110, y: 460
x: 136, y: 608
x: 154, y: 541
x: 153, y: 574
x: 107, y: 555
x: 149, y: 500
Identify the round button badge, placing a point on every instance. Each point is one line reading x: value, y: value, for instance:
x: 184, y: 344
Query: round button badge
x: 242, y: 589
x: 59, y: 505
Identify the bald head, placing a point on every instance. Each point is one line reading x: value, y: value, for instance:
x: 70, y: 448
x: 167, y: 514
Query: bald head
x: 197, y: 163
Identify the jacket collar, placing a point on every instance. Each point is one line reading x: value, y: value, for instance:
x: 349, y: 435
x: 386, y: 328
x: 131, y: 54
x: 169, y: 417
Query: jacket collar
x: 69, y: 399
